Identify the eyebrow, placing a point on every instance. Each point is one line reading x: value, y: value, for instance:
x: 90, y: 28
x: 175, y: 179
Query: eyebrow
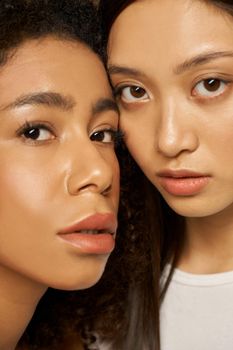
x: 105, y: 105
x: 179, y: 69
x: 200, y: 60
x: 132, y: 72
x: 57, y: 100
x: 49, y: 99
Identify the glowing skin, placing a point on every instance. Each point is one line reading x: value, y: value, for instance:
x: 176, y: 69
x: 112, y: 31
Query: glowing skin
x: 57, y: 168
x: 171, y: 63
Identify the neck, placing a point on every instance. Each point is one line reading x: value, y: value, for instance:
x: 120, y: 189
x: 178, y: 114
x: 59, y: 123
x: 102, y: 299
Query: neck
x: 18, y: 300
x: 208, y: 245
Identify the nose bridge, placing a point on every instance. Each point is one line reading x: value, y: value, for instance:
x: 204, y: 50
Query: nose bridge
x: 89, y: 170
x: 175, y: 133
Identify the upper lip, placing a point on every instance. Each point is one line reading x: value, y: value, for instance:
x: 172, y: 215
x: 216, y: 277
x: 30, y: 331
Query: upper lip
x: 103, y: 222
x: 181, y: 173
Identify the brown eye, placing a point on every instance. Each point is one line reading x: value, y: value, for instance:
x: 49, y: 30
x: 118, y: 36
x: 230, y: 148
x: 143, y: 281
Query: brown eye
x: 212, y: 84
x: 35, y: 132
x: 137, y: 91
x: 133, y: 93
x: 210, y: 88
x: 106, y: 136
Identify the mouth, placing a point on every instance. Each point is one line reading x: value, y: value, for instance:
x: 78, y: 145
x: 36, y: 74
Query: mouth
x: 94, y: 232
x: 93, y: 235
x: 95, y: 224
x: 183, y: 182
x: 180, y: 173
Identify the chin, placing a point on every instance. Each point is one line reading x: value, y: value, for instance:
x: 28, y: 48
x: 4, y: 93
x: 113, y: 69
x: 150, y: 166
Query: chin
x: 191, y: 213
x: 195, y: 208
x: 77, y: 281
x: 75, y: 285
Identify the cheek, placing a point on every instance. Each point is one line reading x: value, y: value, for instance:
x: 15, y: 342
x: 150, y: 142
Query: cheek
x: 217, y: 140
x: 27, y: 217
x: 23, y: 189
x: 217, y: 130
x: 21, y: 221
x: 223, y: 144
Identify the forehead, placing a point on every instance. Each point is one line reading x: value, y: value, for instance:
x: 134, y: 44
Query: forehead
x: 168, y: 29
x: 51, y: 64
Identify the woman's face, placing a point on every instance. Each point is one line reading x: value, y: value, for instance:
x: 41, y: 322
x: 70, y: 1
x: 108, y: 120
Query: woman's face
x: 58, y: 170
x: 171, y: 64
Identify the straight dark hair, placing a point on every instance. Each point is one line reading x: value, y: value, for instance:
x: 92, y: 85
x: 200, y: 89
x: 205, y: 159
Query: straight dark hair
x: 165, y: 228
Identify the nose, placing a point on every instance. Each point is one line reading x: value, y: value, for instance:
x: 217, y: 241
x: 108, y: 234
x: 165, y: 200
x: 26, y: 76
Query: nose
x: 89, y: 171
x: 176, y: 130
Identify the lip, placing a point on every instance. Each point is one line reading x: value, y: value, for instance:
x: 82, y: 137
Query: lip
x: 102, y: 242
x: 183, y: 182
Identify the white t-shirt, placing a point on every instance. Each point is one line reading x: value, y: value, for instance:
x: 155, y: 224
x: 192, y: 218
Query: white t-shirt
x: 197, y: 312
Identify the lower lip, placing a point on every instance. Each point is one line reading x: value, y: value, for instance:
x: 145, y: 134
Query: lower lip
x: 186, y: 186
x: 102, y: 243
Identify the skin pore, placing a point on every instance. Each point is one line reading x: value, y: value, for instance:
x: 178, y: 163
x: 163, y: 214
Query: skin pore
x: 176, y: 96
x: 57, y: 168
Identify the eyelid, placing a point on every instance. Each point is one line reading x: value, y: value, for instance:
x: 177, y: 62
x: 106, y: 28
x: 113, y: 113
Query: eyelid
x: 118, y: 88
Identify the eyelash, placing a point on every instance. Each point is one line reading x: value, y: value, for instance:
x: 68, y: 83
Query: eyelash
x: 116, y: 135
x: 29, y: 126
x: 118, y: 92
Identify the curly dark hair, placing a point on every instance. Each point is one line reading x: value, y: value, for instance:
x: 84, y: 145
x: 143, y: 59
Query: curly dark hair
x: 22, y: 20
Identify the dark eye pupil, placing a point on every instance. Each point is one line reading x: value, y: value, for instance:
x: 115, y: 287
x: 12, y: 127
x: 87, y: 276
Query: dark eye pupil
x: 212, y: 84
x: 137, y: 91
x: 32, y: 133
x: 97, y: 136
